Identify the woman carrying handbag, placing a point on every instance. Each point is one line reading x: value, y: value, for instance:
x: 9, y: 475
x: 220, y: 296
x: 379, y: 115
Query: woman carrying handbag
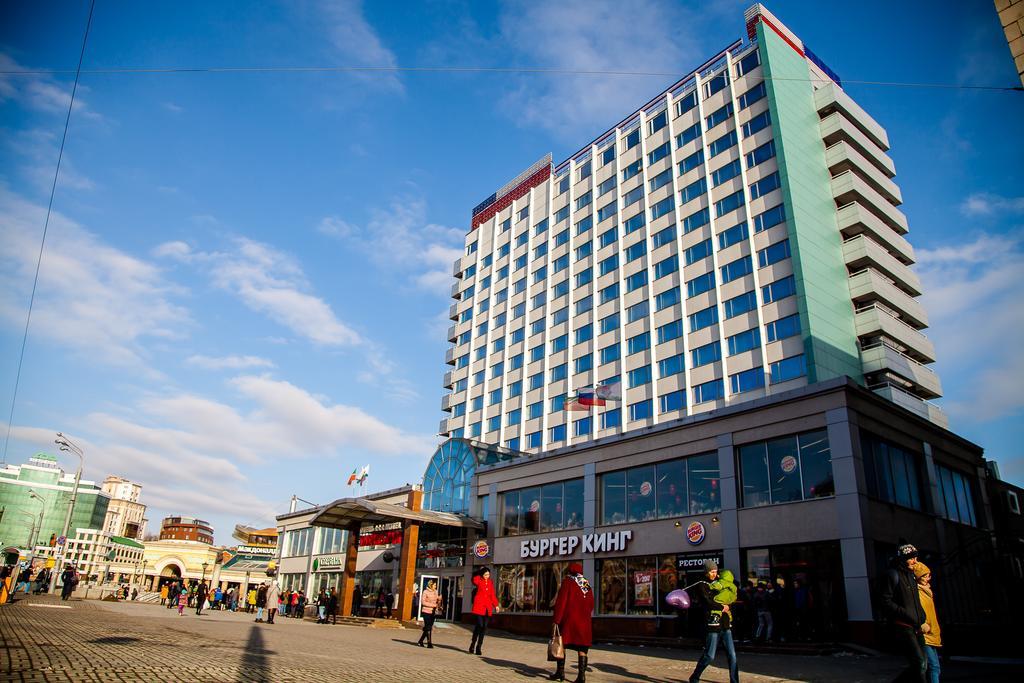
x: 430, y: 602
x: 574, y: 609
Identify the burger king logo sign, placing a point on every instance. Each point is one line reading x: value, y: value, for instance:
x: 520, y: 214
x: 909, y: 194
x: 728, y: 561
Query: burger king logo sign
x: 481, y: 549
x: 788, y: 464
x: 695, y: 533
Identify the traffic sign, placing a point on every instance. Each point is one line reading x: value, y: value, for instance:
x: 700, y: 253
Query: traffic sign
x: 61, y: 540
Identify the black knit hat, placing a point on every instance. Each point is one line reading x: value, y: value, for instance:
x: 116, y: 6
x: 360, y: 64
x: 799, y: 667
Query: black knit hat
x: 906, y: 551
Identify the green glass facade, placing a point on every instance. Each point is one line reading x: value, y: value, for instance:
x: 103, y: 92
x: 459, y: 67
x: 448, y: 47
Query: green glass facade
x: 20, y: 511
x: 823, y: 295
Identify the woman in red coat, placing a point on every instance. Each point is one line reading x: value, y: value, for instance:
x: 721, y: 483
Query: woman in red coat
x: 485, y: 604
x: 574, y: 610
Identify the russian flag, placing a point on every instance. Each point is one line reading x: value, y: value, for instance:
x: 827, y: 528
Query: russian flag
x: 589, y: 397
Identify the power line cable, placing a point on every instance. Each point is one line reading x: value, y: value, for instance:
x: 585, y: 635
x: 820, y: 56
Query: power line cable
x: 462, y: 69
x: 46, y: 226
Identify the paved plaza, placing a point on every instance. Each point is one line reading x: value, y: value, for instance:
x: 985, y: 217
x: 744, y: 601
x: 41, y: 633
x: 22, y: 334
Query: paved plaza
x: 46, y: 640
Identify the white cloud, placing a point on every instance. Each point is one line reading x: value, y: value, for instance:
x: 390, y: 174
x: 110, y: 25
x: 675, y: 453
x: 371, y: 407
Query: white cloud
x: 985, y: 204
x: 400, y: 237
x: 228, y: 362
x: 42, y: 93
x: 93, y: 298
x: 593, y: 35
x: 172, y: 107
x: 270, y: 282
x: 38, y: 150
x: 357, y: 44
x: 972, y: 294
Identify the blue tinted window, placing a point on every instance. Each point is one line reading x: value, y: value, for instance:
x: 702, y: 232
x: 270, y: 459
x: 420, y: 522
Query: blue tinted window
x: 609, y: 293
x: 632, y: 170
x: 702, y: 355
x: 686, y: 103
x: 748, y: 380
x: 494, y: 397
x: 584, y: 363
x: 744, y: 341
x: 606, y: 186
x: 770, y: 218
x: 607, y: 237
x: 761, y: 154
x: 727, y: 172
x: 635, y: 251
x: 608, y: 155
x: 765, y: 185
x: 584, y: 333
x: 561, y: 215
x: 740, y: 304
x: 719, y: 116
x: 783, y: 328
x: 608, y: 265
x: 557, y: 433
x: 780, y: 289
x: 788, y: 368
x: 533, y: 440
x: 729, y: 203
x: 584, y: 225
x: 748, y: 63
x: 513, y: 417
x: 675, y: 400
x: 670, y: 331
x: 635, y: 223
x: 733, y: 235
x: 560, y: 316
x: 688, y: 135
x: 560, y: 290
x: 633, y: 139
x: 737, y: 269
x: 703, y: 318
x: 562, y: 238
x: 759, y: 122
x: 666, y: 298
x: 658, y: 153
x: 584, y: 277
x: 636, y: 281
x: 536, y: 381
x: 696, y: 220
x: 691, y: 162
x: 633, y: 196
x: 583, y: 200
x: 723, y: 143
x: 609, y: 353
x: 559, y: 372
x: 663, y: 207
x: 716, y: 84
x: 637, y: 312
x: 700, y: 284
x: 753, y: 95
x: 611, y: 418
x: 641, y: 410
x: 663, y: 237
x: 581, y: 427
x: 773, y: 253
x: 584, y: 250
x: 560, y: 263
x: 609, y: 323
x: 607, y: 211
x: 658, y: 122
x: 699, y: 251
x: 584, y: 304
x: 660, y: 180
x: 709, y: 391
x: 560, y: 343
x: 640, y: 342
x: 693, y: 190
x: 535, y: 410
x: 673, y: 365
x: 639, y: 377
x: 666, y: 266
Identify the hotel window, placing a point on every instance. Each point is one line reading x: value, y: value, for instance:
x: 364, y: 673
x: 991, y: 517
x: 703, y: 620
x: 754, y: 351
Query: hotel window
x: 716, y: 84
x: 540, y: 227
x: 788, y: 469
x: 670, y: 331
x: 663, y: 237
x: 783, y: 328
x: 748, y: 380
x: 780, y: 289
x: 691, y: 162
x: 517, y: 336
x: 700, y: 284
x: 608, y: 265
x: 633, y: 139
x: 761, y: 154
x: 892, y: 473
x: 560, y: 343
x: 673, y: 365
x: 765, y: 185
x: 641, y: 410
x: 658, y: 153
x: 537, y: 326
x: 695, y: 220
x: 728, y: 203
x: 663, y: 207
x: 607, y: 237
x: 607, y: 211
x: 560, y: 263
x: 513, y: 417
x: 690, y: 134
x: 583, y: 363
x: 494, y: 398
x: 686, y: 103
x: 661, y: 180
x: 733, y: 235
x: 609, y: 293
x: 753, y: 95
x: 535, y: 410
x: 697, y: 252
x: 562, y: 238
x: 727, y: 172
x: 633, y: 196
x: 560, y: 215
x: 494, y: 423
x: 675, y: 400
x: 584, y: 277
x: 727, y: 141
x: 695, y: 189
x: 658, y: 122
x: 635, y: 251
x: 506, y: 224
x: 583, y: 200
x: 609, y: 353
x: 757, y: 123
x: 773, y: 253
x: 546, y: 508
x: 744, y: 341
x: 748, y: 63
x: 606, y: 186
x: 635, y: 222
x: 611, y: 418
x: 609, y: 323
x: 638, y: 377
x: 608, y: 155
x: 788, y: 368
x: 584, y: 250
x: 533, y: 440
x: 669, y: 297
x: 703, y: 355
x: 709, y: 391
x: 737, y: 269
x: 560, y: 290
x: 719, y: 116
x: 584, y: 170
x: 584, y: 333
x: 632, y: 169
x: 559, y: 372
x: 582, y: 427
x: 636, y: 281
x: 557, y: 433
x: 770, y: 218
x: 584, y: 225
x: 584, y: 304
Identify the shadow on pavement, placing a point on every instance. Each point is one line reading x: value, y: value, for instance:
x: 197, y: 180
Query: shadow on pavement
x: 518, y: 667
x: 254, y: 667
x: 113, y: 640
x: 619, y: 671
x: 437, y: 646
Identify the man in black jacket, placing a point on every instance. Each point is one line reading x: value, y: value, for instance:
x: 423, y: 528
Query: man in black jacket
x: 901, y: 605
x: 718, y: 620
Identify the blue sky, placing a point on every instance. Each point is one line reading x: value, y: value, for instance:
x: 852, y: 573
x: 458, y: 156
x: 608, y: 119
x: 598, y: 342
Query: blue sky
x: 245, y: 285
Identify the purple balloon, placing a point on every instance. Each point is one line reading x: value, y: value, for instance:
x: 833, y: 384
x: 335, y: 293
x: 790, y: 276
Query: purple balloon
x: 679, y: 599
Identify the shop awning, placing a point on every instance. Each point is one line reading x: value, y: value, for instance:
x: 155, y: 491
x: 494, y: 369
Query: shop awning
x: 345, y: 511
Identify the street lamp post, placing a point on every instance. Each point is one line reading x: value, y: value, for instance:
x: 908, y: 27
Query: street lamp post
x: 66, y: 445
x: 205, y: 565
x: 31, y: 527
x: 42, y: 509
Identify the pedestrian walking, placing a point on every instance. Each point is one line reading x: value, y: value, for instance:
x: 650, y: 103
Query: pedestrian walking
x: 378, y: 605
x: 273, y: 596
x: 574, y: 609
x: 201, y: 592
x: 714, y: 595
x: 42, y: 581
x: 357, y: 600
x: 68, y: 580
x: 260, y: 602
x: 182, y: 602
x: 218, y: 595
x: 135, y: 594
x: 931, y: 630
x: 321, y: 607
x: 901, y: 604
x: 164, y: 591
x: 430, y: 603
x: 24, y: 580
x: 332, y: 606
x: 485, y: 605
x: 389, y: 603
x: 250, y: 600
x: 763, y: 608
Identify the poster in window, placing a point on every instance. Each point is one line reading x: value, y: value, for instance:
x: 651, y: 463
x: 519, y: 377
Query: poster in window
x: 643, y: 588
x: 529, y: 590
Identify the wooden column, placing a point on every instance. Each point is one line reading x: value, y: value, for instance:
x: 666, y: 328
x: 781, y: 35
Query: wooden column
x: 351, y: 557
x: 407, y: 565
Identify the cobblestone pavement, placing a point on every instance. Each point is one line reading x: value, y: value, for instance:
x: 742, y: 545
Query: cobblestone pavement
x: 44, y: 639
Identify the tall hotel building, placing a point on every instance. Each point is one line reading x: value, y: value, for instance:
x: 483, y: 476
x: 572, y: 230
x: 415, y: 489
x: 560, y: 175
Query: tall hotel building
x: 732, y: 257
x: 736, y: 237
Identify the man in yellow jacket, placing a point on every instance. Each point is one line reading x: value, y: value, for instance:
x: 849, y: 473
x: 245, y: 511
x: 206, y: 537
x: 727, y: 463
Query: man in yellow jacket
x: 930, y: 628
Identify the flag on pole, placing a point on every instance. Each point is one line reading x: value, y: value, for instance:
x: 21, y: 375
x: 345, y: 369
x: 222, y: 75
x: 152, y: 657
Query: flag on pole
x: 575, y: 404
x: 352, y: 477
x: 609, y: 392
x: 364, y: 474
x: 588, y: 397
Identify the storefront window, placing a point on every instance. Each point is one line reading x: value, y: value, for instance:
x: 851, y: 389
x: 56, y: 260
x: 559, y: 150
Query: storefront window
x: 573, y: 503
x: 892, y: 473
x: 551, y: 507
x: 669, y: 489
x: 612, y: 599
x: 613, y: 498
x: 640, y: 498
x: 643, y: 591
x: 702, y: 471
x: 529, y: 587
x: 787, y: 469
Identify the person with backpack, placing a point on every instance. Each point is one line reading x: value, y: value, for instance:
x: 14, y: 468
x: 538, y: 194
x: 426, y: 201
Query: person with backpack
x: 715, y: 594
x: 900, y: 602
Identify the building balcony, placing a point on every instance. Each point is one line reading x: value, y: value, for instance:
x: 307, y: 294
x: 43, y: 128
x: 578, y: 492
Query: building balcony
x: 842, y: 156
x: 836, y: 127
x: 854, y: 219
x: 831, y: 98
x: 869, y: 286
x: 883, y: 360
x: 449, y: 356
x: 849, y: 187
x: 873, y: 322
x: 457, y: 267
x: 456, y: 294
x: 452, y: 335
x: 453, y: 312
x: 442, y: 429
x: 449, y: 379
x: 862, y: 252
x: 446, y: 403
x: 912, y: 403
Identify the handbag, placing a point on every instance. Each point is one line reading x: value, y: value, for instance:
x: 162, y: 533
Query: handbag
x: 556, y: 650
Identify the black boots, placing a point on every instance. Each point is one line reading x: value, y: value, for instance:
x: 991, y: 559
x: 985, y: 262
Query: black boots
x: 472, y: 645
x: 430, y: 639
x: 559, y: 674
x: 581, y: 677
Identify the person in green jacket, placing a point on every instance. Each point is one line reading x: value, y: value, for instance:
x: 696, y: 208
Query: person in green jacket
x: 715, y: 594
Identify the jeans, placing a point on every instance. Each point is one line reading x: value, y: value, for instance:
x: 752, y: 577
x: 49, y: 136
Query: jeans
x: 765, y: 625
x: 912, y: 645
x: 322, y: 611
x: 259, y: 613
x: 22, y: 584
x: 711, y: 647
x: 931, y: 654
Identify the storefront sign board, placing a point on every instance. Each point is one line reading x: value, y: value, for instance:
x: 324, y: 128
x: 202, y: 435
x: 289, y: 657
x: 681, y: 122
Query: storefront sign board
x: 606, y: 542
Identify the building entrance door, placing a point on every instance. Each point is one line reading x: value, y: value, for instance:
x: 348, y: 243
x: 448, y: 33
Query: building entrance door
x: 451, y: 594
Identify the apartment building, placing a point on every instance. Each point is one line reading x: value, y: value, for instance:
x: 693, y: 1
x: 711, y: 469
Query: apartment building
x: 735, y: 237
